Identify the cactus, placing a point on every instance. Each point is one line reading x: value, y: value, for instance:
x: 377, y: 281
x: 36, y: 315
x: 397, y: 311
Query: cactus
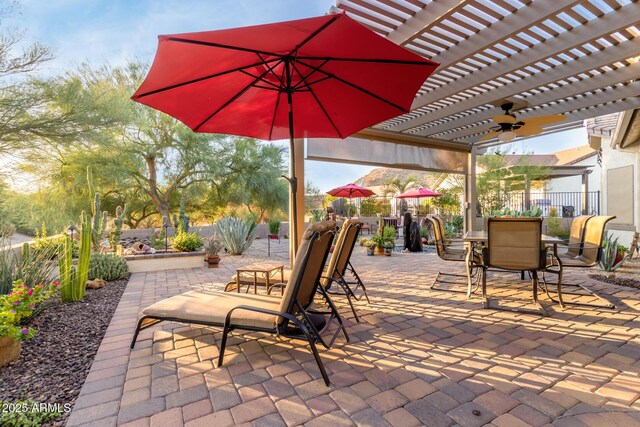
x: 72, y: 281
x: 26, y: 253
x: 99, y: 224
x: 118, y: 221
x: 181, y: 222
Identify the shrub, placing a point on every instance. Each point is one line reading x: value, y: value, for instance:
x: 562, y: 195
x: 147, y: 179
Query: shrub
x: 107, y: 267
x: 18, y: 308
x: 29, y: 413
x: 236, y: 234
x: 214, y: 245
x: 457, y: 222
x: 274, y: 226
x: 363, y: 241
x: 186, y: 242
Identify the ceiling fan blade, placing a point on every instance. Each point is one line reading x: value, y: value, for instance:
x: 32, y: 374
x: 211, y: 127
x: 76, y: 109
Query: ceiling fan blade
x: 490, y: 135
x: 544, y: 120
x: 528, y: 130
x: 504, y: 118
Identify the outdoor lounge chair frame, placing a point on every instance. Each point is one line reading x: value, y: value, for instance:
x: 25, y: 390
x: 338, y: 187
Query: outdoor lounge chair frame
x: 578, y: 289
x: 338, y: 276
x: 472, y: 278
x: 533, y: 266
x: 304, y: 322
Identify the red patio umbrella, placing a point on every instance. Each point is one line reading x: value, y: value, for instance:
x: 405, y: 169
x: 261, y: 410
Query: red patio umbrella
x: 349, y: 191
x: 333, y: 73
x: 417, y: 193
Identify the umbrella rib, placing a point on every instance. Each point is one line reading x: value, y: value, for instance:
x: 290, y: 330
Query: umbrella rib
x: 223, y: 46
x: 361, y: 89
x: 316, y: 32
x: 199, y: 79
x: 236, y: 96
x: 321, y: 106
x: 303, y: 81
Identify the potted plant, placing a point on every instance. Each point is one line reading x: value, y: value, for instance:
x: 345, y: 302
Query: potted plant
x: 388, y: 248
x: 378, y: 242
x: 274, y: 228
x: 370, y: 247
x: 16, y: 309
x: 213, y: 247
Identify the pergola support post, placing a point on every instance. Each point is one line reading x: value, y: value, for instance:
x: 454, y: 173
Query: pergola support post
x: 585, y: 194
x: 298, y: 160
x: 470, y: 196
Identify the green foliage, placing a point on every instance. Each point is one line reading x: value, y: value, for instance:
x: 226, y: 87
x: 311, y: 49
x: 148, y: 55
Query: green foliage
x: 107, y: 267
x: 613, y: 254
x: 160, y: 241
x: 18, y: 307
x: 214, y: 245
x: 530, y: 213
x: 457, y: 223
x: 395, y: 185
x: 236, y: 234
x: 274, y: 226
x: 30, y: 267
x: 72, y: 280
x: 29, y: 413
x: 555, y: 228
x: 424, y: 231
x: 386, y: 239
x: 448, y: 204
x: 100, y: 218
x: 186, y: 242
x: 363, y: 241
x: 317, y: 215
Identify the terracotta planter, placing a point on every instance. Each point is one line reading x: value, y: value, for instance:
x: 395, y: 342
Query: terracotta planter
x: 273, y: 236
x: 9, y: 350
x: 379, y: 250
x: 212, y: 260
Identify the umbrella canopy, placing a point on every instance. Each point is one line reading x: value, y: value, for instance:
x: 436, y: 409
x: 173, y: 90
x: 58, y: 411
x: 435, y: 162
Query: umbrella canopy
x: 418, y: 192
x: 351, y: 190
x: 328, y: 76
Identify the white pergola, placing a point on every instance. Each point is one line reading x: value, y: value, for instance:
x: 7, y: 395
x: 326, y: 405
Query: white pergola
x: 577, y: 58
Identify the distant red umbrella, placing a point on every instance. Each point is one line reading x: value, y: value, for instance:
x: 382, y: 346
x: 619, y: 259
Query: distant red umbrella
x: 349, y: 191
x: 417, y: 193
x: 335, y: 74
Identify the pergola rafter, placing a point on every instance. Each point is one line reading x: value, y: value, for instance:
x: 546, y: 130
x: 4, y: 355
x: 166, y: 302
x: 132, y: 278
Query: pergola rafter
x: 574, y: 57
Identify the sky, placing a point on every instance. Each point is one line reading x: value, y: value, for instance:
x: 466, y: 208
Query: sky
x: 116, y: 31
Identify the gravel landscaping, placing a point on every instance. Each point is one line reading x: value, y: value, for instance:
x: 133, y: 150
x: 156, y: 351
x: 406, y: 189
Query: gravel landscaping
x: 54, y: 364
x: 627, y: 275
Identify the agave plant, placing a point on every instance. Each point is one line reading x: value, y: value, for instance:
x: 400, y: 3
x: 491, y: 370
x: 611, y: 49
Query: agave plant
x: 236, y: 234
x: 612, y: 257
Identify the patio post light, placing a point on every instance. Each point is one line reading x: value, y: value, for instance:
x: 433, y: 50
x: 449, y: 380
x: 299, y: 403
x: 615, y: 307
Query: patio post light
x: 71, y: 229
x: 165, y: 224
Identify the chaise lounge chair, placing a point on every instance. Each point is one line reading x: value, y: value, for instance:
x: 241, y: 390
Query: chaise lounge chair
x: 289, y: 315
x: 337, y: 271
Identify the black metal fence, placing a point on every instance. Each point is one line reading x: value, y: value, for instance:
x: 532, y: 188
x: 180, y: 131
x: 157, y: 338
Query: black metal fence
x: 566, y: 204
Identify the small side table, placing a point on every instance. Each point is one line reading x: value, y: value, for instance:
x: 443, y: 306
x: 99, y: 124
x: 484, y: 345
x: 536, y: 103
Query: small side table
x: 255, y: 274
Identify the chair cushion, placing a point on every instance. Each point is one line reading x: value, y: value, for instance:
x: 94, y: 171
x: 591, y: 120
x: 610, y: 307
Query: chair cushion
x: 211, y: 307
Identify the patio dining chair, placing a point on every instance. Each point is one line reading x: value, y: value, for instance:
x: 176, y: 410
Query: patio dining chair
x: 514, y: 244
x: 589, y: 252
x: 576, y: 237
x: 339, y: 272
x: 447, y: 252
x: 289, y: 315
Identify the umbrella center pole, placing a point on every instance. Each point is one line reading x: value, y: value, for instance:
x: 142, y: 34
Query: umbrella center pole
x: 293, y: 180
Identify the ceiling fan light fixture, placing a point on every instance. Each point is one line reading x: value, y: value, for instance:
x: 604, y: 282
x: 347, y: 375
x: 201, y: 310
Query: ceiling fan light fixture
x: 507, y: 136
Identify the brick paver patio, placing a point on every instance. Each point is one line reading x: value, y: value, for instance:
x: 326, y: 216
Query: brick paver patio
x: 418, y: 357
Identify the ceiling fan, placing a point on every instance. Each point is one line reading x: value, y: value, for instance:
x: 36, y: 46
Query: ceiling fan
x: 509, y: 127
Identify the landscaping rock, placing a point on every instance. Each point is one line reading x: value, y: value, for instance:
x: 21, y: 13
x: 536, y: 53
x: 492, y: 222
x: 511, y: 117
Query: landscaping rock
x: 95, y: 284
x: 53, y: 365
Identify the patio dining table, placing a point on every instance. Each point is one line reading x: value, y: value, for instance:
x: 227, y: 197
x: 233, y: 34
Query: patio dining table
x: 474, y: 238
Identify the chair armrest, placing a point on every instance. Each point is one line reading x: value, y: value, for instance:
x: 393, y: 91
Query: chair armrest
x: 260, y: 310
x: 276, y: 285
